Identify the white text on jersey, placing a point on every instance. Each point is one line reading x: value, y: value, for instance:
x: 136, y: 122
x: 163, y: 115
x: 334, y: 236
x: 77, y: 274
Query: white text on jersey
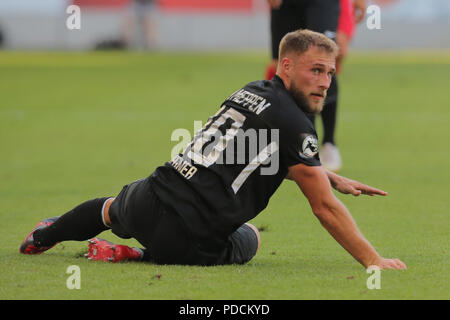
x: 252, y: 101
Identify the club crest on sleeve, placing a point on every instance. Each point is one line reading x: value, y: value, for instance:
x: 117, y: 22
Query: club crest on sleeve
x: 310, y: 146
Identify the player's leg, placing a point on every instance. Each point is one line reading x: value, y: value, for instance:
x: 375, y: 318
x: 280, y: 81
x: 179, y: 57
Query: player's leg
x: 150, y: 26
x: 164, y: 235
x: 81, y: 223
x: 137, y: 212
x: 288, y: 17
x: 329, y: 113
x: 256, y: 232
x: 329, y: 153
x: 275, y: 40
x: 242, y: 246
x: 323, y: 16
x: 103, y: 250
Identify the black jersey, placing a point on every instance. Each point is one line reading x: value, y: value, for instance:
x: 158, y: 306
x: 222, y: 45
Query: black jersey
x: 234, y: 164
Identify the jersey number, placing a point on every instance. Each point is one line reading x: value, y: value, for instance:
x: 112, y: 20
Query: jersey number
x: 210, y: 142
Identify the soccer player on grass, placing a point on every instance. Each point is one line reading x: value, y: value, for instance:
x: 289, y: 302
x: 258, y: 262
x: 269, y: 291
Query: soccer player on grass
x: 194, y: 210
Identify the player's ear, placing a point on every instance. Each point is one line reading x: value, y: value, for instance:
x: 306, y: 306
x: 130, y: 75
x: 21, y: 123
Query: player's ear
x: 286, y: 65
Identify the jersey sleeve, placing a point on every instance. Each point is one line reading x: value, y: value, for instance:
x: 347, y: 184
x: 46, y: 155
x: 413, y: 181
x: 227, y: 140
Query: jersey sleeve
x: 299, y: 144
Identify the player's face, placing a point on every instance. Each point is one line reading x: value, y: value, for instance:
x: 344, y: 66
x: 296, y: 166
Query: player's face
x: 310, y: 78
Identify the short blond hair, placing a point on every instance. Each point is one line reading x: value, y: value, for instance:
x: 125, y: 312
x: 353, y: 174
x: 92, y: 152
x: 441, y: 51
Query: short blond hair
x: 300, y: 41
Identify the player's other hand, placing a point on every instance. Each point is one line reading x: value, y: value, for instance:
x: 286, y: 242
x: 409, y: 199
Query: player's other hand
x: 275, y: 4
x: 383, y: 263
x: 348, y: 186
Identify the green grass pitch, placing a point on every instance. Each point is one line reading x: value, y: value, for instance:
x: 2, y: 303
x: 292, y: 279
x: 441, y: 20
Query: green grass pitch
x: 74, y: 126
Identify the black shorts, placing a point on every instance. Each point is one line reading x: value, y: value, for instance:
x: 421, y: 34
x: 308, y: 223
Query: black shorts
x: 316, y: 15
x: 138, y: 213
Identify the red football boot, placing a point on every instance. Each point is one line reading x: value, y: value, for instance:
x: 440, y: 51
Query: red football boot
x: 28, y: 246
x: 102, y: 250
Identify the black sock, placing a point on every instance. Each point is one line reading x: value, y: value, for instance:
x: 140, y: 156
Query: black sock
x: 81, y: 223
x: 329, y: 121
x: 329, y: 112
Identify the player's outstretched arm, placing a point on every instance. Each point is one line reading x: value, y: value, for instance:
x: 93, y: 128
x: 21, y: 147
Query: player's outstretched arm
x: 348, y: 186
x: 335, y: 218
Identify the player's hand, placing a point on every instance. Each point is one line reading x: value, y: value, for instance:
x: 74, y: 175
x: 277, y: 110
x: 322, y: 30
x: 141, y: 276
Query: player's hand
x: 395, y: 264
x: 359, y: 10
x: 348, y: 186
x: 275, y: 4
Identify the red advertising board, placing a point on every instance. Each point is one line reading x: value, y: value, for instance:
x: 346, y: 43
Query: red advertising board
x: 219, y: 5
x: 176, y: 5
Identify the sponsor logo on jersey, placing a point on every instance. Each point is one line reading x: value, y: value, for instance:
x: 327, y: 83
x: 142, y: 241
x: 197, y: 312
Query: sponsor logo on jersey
x: 310, y: 146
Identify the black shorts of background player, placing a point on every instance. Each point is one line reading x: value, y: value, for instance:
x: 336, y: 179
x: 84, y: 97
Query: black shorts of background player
x: 320, y: 16
x: 195, y: 209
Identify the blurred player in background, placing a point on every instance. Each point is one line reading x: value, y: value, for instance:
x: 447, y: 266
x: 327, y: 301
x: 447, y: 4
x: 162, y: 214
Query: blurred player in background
x: 140, y: 27
x: 350, y: 14
x: 335, y: 19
